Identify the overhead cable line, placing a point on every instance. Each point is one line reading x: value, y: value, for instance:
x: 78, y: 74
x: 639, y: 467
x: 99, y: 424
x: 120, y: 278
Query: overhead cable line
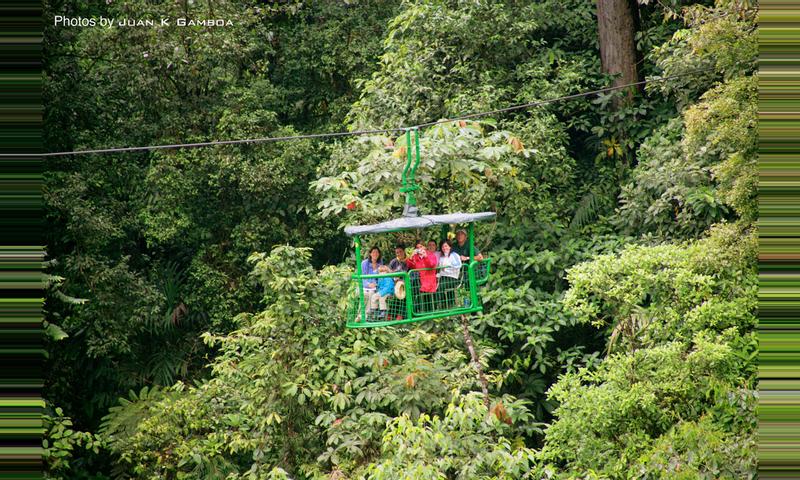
x: 353, y: 132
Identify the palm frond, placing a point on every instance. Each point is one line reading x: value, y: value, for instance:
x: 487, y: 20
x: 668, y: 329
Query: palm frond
x: 587, y: 210
x: 123, y: 418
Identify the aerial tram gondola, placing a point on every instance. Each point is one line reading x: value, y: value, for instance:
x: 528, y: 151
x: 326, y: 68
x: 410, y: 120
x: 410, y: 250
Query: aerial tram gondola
x: 410, y: 304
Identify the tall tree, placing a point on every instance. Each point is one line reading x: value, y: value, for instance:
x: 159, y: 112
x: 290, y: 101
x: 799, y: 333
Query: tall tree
x: 616, y: 28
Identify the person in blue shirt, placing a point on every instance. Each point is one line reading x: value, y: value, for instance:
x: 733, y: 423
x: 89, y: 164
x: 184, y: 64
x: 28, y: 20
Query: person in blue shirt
x: 385, y: 288
x: 370, y: 267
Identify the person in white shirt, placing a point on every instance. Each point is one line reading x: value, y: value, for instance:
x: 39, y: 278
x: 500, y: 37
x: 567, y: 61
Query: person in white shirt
x: 449, y: 270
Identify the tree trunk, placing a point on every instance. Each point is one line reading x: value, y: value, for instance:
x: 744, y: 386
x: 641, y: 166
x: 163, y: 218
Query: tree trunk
x: 475, y: 361
x: 616, y: 28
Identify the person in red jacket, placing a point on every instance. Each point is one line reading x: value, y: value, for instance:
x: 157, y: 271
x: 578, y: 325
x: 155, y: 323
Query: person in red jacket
x: 422, y: 259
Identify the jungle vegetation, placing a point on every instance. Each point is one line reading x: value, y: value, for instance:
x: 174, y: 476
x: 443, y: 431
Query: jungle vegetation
x: 195, y: 315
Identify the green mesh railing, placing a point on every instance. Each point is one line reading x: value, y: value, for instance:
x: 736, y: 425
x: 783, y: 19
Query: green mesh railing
x: 452, y: 296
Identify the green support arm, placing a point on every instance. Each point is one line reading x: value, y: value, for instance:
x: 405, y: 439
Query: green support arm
x: 408, y: 183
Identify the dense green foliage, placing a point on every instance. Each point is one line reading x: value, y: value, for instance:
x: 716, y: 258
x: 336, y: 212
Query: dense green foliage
x: 161, y: 240
x: 684, y: 344
x: 197, y: 305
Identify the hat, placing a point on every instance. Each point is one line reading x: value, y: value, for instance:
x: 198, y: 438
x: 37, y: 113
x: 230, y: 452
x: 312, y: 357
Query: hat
x: 400, y: 290
x: 461, y: 231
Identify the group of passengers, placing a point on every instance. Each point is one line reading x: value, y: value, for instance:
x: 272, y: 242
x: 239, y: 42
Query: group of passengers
x: 435, y: 275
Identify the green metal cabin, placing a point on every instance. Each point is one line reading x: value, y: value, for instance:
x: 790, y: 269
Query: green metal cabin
x: 451, y: 298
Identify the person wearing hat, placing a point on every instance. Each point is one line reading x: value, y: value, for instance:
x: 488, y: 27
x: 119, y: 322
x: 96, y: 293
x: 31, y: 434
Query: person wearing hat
x: 461, y: 247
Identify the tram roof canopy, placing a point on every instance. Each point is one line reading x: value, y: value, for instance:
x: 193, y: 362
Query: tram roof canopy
x: 414, y: 222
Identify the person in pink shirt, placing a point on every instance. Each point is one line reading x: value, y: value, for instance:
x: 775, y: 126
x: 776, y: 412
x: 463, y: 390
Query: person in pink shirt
x: 432, y: 249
